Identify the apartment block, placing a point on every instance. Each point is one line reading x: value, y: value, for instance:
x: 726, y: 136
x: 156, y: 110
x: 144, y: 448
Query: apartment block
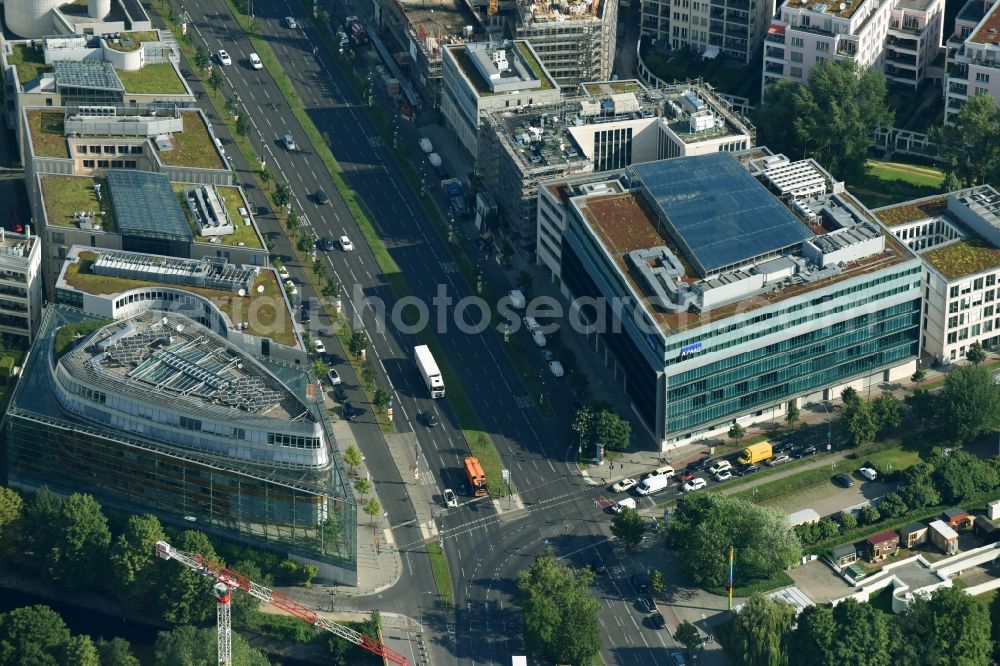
x: 733, y: 28
x: 20, y: 284
x: 972, y: 55
x: 722, y: 288
x: 604, y: 126
x: 900, y: 38
x: 957, y: 237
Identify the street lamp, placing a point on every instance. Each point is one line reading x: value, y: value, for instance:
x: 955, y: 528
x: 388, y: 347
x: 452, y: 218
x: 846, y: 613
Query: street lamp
x: 829, y: 426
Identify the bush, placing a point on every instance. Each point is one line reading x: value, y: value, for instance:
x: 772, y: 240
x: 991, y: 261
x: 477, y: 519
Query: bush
x: 893, y: 506
x: 827, y: 529
x: 847, y: 520
x: 869, y: 515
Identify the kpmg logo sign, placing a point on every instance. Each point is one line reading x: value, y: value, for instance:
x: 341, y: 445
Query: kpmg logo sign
x: 690, y: 349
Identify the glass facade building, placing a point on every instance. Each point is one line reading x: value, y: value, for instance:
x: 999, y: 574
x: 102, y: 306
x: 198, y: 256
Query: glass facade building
x: 305, y: 512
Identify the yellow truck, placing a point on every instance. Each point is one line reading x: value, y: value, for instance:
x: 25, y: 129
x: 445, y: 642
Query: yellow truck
x: 755, y: 453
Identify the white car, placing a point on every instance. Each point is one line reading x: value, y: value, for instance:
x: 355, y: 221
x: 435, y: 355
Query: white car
x: 291, y: 23
x: 539, y: 338
x: 224, y: 58
x: 621, y: 505
x: 696, y: 483
x: 720, y: 466
x: 346, y: 245
x: 450, y: 500
x: 255, y: 61
x: 555, y: 367
x: 333, y: 376
x: 665, y: 470
x: 868, y: 473
x: 289, y: 142
x: 531, y: 324
x: 724, y: 475
x: 624, y: 485
x: 319, y: 346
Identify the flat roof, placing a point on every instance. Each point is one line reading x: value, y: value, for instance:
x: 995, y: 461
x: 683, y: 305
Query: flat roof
x: 483, y: 87
x: 192, y: 147
x: 911, y: 211
x: 828, y: 7
x: 973, y: 11
x: 48, y: 134
x: 988, y: 30
x: 65, y: 196
x: 144, y: 205
x: 90, y: 74
x: 718, y: 211
x: 231, y: 199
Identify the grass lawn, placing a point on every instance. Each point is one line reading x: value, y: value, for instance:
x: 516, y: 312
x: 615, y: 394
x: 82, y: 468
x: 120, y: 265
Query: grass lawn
x: 811, y: 479
x: 442, y: 579
x: 891, y: 459
x: 66, y: 336
x: 886, y: 183
x: 30, y: 63
x: 230, y: 197
x: 157, y: 77
x: 65, y: 195
x: 48, y: 135
x: 131, y: 41
x: 193, y: 147
x: 882, y: 600
x: 921, y: 176
x: 780, y: 579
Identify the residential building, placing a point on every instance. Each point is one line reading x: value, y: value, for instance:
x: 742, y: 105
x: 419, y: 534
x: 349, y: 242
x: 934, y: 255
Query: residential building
x: 846, y: 555
x: 733, y: 28
x: 900, y: 38
x: 957, y: 518
x: 972, y: 55
x: 605, y: 126
x: 20, y: 284
x: 913, y: 535
x: 943, y: 536
x: 31, y: 19
x: 957, y: 237
x: 573, y: 42
x: 491, y: 77
x: 721, y: 288
x: 880, y: 546
x: 157, y: 413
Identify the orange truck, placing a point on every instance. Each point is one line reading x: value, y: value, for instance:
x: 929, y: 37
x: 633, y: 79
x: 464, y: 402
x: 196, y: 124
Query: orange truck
x: 477, y: 480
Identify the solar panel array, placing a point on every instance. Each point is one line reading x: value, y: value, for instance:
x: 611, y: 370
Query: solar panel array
x: 134, y: 349
x: 249, y: 394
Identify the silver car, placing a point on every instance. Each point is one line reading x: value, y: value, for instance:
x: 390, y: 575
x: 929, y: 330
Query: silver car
x: 289, y: 142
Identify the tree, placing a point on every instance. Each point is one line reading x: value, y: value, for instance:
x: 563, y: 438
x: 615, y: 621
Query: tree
x: 736, y: 432
x: 961, y: 476
x: 216, y: 79
x: 368, y: 374
x: 976, y: 353
x: 265, y: 177
x: 847, y: 520
x: 358, y: 343
x: 656, y: 581
x: 559, y: 612
x: 892, y: 506
x: 184, y: 597
x: 827, y: 529
x: 583, y: 424
x: 850, y: 396
x: 859, y: 421
x: 760, y: 631
x: 950, y: 627
x: 116, y: 652
x: 705, y: 526
x: 362, y: 486
x: 924, y: 409
x: 319, y: 269
x: 381, y: 398
x: 33, y: 636
x: 232, y: 104
x: 353, y: 457
x: 304, y: 243
x: 81, y: 651
x: 687, y: 635
x: 995, y: 627
x: 282, y: 194
x: 786, y: 118
x: 133, y: 561
x: 611, y: 430
x: 812, y: 640
x: 78, y: 555
x: 793, y: 414
x: 243, y: 127
x: 201, y: 58
x: 293, y: 222
x: 887, y: 412
x: 862, y: 635
x: 919, y: 375
x: 42, y: 513
x: 330, y: 286
x: 968, y: 145
x: 188, y: 646
x: 869, y: 515
x: 917, y: 489
x: 970, y: 403
x: 11, y: 506
x: 628, y: 526
x: 372, y: 508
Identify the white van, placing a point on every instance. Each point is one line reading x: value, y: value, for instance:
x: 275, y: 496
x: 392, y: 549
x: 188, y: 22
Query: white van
x: 652, y: 484
x: 621, y: 505
x: 539, y: 338
x: 218, y: 144
x: 517, y: 299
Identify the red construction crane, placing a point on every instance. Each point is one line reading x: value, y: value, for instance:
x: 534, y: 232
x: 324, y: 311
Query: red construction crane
x: 227, y: 580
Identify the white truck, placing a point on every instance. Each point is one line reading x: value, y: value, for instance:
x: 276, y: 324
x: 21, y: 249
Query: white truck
x: 434, y: 159
x: 426, y: 145
x: 653, y: 484
x: 429, y: 370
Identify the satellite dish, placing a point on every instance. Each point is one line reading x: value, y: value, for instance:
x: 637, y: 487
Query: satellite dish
x: 164, y: 321
x: 843, y: 6
x: 180, y: 328
x: 260, y: 289
x: 242, y: 292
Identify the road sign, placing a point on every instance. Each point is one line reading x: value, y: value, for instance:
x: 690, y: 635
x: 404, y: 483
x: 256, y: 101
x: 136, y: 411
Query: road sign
x: 505, y: 475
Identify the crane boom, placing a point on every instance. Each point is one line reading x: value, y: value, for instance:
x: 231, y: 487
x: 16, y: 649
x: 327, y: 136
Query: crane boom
x: 227, y: 580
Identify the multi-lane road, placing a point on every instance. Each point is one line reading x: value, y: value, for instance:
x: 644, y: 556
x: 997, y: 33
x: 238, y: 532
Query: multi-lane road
x: 485, y: 547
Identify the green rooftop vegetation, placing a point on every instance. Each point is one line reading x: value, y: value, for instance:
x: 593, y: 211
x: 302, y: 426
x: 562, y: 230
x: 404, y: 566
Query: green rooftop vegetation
x: 131, y: 41
x: 154, y: 78
x: 271, y: 318
x: 48, y: 136
x: 69, y: 335
x: 193, y: 147
x: 482, y: 87
x: 231, y: 199
x: 965, y: 257
x: 613, y: 87
x: 525, y: 52
x: 65, y: 195
x: 30, y: 62
x: 912, y: 212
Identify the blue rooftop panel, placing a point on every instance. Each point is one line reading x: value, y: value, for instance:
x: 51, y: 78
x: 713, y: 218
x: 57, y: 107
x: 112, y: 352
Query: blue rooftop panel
x: 717, y: 212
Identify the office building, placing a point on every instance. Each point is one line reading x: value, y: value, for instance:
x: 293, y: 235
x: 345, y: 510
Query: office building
x: 957, y: 236
x: 606, y: 125
x: 900, y: 38
x: 156, y: 413
x: 972, y: 55
x: 20, y: 284
x: 731, y: 28
x: 31, y: 19
x: 491, y: 77
x: 722, y: 288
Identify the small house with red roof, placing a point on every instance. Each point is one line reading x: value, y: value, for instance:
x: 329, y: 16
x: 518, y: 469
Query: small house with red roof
x: 882, y: 545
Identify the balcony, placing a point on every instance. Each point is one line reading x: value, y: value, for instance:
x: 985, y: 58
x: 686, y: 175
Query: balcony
x: 737, y: 18
x: 911, y: 29
x: 775, y: 38
x: 774, y: 68
x: 903, y: 44
x: 958, y: 89
x: 900, y: 59
x: 771, y: 52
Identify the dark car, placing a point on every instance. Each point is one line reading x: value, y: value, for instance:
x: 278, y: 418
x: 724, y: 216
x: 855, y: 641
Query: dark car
x: 658, y: 621
x: 805, y: 451
x: 340, y: 394
x: 783, y: 447
x: 645, y: 605
x: 349, y: 412
x: 699, y: 465
x: 843, y: 481
x: 743, y: 470
x: 306, y: 316
x: 429, y: 419
x: 320, y: 198
x: 327, y: 244
x: 640, y: 582
x: 598, y: 567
